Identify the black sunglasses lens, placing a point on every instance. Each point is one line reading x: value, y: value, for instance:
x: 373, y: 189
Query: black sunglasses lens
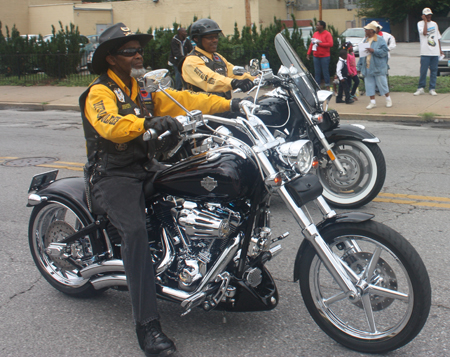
x: 131, y: 52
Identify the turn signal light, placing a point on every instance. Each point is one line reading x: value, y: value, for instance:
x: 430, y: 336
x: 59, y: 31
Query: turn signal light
x: 331, y: 155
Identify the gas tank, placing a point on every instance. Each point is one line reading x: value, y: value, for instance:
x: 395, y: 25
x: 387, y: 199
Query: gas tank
x: 278, y: 108
x: 219, y: 175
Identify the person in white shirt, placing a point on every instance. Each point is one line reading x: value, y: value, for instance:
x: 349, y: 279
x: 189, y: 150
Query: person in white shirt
x: 390, y: 40
x: 430, y: 50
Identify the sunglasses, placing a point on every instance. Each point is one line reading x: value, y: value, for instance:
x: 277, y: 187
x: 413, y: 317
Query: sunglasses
x: 129, y: 52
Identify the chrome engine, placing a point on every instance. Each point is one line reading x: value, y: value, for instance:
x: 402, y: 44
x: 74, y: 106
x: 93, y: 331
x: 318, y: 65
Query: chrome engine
x: 200, y: 228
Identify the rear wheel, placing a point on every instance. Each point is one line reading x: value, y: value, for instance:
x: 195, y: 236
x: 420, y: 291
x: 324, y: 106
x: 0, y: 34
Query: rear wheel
x: 394, y: 292
x: 52, y: 222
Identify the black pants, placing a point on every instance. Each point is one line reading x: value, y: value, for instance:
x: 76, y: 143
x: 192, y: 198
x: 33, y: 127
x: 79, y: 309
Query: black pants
x: 355, y: 80
x: 123, y: 200
x: 343, y: 87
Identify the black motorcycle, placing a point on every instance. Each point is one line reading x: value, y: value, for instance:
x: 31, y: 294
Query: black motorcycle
x: 351, y: 166
x: 210, y: 237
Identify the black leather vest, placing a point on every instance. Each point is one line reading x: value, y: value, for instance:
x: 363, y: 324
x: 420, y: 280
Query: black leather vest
x: 106, y: 157
x: 217, y: 65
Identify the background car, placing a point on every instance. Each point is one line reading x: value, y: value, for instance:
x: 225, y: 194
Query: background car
x: 445, y: 39
x: 444, y: 64
x: 355, y: 35
x: 306, y: 31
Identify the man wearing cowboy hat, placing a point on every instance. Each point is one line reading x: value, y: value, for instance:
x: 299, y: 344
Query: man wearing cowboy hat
x: 430, y: 50
x: 115, y: 114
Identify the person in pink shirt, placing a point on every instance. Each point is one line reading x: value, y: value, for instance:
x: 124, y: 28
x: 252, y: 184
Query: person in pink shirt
x: 320, y: 46
x: 352, y: 71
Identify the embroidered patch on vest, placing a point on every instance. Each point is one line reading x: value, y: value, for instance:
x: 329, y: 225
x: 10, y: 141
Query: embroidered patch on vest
x: 216, y: 57
x: 204, y: 58
x: 137, y: 111
x: 119, y: 95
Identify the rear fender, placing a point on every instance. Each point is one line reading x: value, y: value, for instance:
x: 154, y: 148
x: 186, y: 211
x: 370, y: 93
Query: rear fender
x: 350, y: 131
x: 353, y: 217
x: 71, y: 189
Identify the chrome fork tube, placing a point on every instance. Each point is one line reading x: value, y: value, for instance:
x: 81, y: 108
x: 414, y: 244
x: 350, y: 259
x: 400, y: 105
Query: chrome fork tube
x: 309, y: 230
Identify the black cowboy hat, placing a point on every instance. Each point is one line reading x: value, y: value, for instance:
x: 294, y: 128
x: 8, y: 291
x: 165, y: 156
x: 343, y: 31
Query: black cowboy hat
x: 111, y: 39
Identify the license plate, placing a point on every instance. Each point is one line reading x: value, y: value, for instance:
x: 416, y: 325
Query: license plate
x: 43, y: 179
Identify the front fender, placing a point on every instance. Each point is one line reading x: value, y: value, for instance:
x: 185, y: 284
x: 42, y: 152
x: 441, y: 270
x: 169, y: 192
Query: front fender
x: 71, y: 189
x: 353, y: 217
x: 350, y: 131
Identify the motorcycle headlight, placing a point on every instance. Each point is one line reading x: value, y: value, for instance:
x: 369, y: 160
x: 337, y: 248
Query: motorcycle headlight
x: 299, y: 154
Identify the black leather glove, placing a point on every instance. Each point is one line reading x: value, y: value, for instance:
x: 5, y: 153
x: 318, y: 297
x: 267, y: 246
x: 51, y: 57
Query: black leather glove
x: 242, y: 84
x: 234, y: 105
x: 162, y: 124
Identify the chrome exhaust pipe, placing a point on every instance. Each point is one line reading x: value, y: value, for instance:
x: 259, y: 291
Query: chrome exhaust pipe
x: 168, y: 258
x: 109, y: 281
x: 116, y: 265
x: 107, y: 266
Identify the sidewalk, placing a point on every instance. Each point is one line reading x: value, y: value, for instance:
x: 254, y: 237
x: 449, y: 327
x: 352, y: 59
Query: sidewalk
x: 406, y: 106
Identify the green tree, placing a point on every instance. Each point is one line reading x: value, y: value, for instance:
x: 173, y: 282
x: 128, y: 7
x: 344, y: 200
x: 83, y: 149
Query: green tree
x: 398, y: 10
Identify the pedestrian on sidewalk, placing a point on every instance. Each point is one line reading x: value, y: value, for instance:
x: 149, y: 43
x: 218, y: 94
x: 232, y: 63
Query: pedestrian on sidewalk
x: 180, y: 46
x: 373, y: 66
x: 352, y: 71
x: 430, y: 50
x: 342, y: 74
x: 320, y: 46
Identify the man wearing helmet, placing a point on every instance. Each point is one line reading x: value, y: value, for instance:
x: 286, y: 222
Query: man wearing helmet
x: 204, y: 70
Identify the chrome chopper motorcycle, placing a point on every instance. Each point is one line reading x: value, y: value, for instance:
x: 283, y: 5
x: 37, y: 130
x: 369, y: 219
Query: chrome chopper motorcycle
x: 351, y: 166
x: 209, y: 232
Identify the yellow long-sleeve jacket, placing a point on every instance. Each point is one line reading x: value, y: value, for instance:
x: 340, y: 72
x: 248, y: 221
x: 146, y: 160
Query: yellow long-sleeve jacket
x: 101, y: 109
x: 197, y: 73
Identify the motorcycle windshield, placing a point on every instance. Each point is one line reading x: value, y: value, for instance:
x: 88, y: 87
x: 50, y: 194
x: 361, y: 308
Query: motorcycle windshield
x: 304, y: 81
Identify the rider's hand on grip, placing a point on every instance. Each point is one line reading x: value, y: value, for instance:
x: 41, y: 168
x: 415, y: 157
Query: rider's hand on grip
x: 242, y: 84
x: 163, y: 124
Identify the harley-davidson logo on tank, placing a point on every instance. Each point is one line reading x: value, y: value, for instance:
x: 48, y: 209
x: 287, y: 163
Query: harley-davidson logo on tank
x: 209, y: 183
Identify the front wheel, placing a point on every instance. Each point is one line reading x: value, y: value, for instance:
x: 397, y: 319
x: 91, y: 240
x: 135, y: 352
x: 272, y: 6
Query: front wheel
x: 365, y: 172
x: 394, y: 292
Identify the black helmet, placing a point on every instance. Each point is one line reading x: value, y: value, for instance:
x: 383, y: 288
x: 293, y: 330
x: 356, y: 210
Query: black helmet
x: 204, y: 27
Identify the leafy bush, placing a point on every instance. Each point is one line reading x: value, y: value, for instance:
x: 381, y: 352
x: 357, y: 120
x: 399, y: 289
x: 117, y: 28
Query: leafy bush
x: 58, y: 57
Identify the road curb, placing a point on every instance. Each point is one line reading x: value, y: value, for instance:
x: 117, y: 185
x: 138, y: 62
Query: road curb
x: 39, y: 107
x: 344, y: 116
x: 392, y: 118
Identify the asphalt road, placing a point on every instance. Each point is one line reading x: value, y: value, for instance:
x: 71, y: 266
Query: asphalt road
x: 37, y: 320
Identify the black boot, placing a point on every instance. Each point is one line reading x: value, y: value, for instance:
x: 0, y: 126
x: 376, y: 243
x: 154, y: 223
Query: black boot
x: 153, y: 341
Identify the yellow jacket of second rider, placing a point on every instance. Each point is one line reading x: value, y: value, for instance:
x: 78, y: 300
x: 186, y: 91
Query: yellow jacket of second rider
x: 197, y: 73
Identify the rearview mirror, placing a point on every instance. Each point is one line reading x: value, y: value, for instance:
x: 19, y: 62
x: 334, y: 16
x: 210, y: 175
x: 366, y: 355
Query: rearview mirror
x: 153, y: 79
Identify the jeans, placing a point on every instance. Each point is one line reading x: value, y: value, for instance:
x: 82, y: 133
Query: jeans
x: 322, y: 67
x: 371, y: 82
x: 123, y: 200
x: 178, y: 79
x: 343, y: 88
x: 355, y: 80
x: 425, y: 63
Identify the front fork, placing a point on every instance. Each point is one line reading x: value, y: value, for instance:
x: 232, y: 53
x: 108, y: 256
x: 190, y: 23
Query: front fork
x: 337, y: 269
x: 326, y: 145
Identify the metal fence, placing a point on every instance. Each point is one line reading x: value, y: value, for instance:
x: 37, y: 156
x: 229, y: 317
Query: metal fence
x: 47, y: 68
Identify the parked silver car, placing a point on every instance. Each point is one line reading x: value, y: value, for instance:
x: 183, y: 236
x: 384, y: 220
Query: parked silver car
x: 355, y: 35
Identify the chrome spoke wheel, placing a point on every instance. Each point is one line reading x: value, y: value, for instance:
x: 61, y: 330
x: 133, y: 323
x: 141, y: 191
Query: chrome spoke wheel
x: 371, y: 315
x: 393, y: 292
x: 50, y: 224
